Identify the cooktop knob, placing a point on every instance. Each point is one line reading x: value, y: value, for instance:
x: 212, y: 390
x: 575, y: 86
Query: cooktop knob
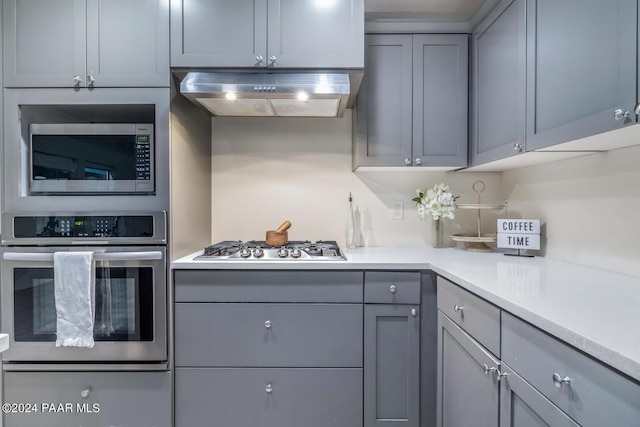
x: 258, y: 252
x: 283, y: 252
x: 296, y: 252
x: 245, y: 252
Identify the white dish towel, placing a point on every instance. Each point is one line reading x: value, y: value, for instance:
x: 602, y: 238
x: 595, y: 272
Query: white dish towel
x: 74, y: 282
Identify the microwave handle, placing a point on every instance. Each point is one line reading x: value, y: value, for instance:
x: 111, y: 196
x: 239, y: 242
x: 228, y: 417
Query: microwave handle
x: 98, y: 256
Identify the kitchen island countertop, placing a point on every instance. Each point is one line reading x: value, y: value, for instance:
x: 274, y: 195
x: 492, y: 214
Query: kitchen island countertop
x: 595, y: 310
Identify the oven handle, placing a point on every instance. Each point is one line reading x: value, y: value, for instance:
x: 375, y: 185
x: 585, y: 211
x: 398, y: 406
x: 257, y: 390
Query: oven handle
x: 98, y: 256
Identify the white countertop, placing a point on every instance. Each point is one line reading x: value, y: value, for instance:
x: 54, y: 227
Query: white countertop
x: 594, y: 310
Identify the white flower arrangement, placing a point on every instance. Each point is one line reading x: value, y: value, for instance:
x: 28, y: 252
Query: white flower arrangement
x: 436, y: 202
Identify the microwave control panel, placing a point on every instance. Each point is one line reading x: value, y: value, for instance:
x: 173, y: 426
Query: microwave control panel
x: 143, y: 157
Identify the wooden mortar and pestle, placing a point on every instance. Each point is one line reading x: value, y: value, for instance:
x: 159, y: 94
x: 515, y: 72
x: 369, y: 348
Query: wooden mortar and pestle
x: 279, y: 236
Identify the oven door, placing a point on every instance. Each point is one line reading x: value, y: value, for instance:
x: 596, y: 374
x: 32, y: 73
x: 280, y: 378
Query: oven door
x: 130, y: 322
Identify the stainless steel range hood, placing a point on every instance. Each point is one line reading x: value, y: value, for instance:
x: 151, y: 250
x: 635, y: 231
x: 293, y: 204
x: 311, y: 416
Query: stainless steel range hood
x: 277, y: 94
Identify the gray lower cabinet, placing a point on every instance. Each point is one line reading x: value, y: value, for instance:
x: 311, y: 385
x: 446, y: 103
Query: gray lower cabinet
x: 581, y: 68
x: 392, y: 348
x: 537, y: 380
x: 391, y: 365
x: 583, y: 388
x: 271, y: 348
x: 468, y: 390
x: 86, y: 43
x: 412, y: 104
x: 498, y: 72
x: 524, y: 406
x: 88, y: 399
x: 267, y: 34
x: 269, y: 397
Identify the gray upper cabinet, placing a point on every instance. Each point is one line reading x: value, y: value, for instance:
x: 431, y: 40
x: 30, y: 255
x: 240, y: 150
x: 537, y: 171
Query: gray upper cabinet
x: 86, y: 43
x: 267, y: 33
x: 440, y: 99
x: 498, y: 84
x: 581, y: 68
x: 412, y: 104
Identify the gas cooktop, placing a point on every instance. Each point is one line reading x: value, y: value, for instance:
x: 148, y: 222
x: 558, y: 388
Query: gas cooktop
x: 256, y: 250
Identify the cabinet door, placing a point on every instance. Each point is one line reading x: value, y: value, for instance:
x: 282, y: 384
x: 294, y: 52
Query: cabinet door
x: 521, y: 405
x: 218, y: 33
x: 468, y: 392
x: 391, y: 365
x: 383, y: 121
x: 498, y: 84
x: 44, y: 43
x: 581, y: 67
x: 96, y: 399
x: 128, y: 43
x: 312, y: 34
x: 440, y: 99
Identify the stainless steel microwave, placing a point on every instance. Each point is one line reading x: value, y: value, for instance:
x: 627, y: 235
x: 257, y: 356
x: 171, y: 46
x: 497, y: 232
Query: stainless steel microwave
x: 90, y: 158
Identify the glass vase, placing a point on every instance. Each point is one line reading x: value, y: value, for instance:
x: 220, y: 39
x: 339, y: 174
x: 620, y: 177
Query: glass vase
x: 437, y: 234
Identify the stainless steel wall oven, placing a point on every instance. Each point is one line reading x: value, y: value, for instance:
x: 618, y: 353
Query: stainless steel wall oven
x: 131, y: 301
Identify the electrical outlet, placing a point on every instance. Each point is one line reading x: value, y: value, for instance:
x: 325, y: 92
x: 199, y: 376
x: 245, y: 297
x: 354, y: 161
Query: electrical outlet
x: 397, y: 209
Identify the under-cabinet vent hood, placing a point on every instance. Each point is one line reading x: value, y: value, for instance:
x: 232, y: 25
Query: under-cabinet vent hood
x: 277, y: 94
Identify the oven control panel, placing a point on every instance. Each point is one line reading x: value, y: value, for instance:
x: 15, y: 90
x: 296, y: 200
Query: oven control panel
x: 81, y: 226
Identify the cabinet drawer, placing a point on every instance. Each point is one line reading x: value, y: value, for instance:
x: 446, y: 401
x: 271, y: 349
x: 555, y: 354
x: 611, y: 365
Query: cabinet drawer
x: 268, y: 397
x: 473, y: 314
x: 268, y: 335
x: 392, y: 287
x: 268, y: 286
x: 127, y: 399
x: 595, y: 396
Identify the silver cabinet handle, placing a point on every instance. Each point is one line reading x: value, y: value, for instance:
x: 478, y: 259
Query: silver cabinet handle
x: 488, y: 370
x: 77, y: 80
x: 268, y: 388
x: 418, y: 161
x: 499, y: 375
x: 90, y: 80
x: 619, y: 114
x: 86, y: 392
x: 458, y: 308
x: 518, y: 147
x: 414, y: 312
x: 259, y: 59
x: 558, y: 381
x: 272, y: 61
x: 267, y: 324
x: 637, y: 109
x: 393, y: 289
x: 407, y: 161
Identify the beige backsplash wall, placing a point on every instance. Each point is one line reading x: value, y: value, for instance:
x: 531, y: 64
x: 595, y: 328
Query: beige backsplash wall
x: 266, y: 170
x: 590, y: 205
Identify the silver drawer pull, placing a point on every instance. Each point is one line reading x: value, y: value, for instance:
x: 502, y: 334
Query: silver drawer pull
x: 267, y: 324
x: 414, y: 312
x: 86, y: 392
x: 393, y: 289
x: 458, y: 308
x: 268, y: 388
x: 558, y: 381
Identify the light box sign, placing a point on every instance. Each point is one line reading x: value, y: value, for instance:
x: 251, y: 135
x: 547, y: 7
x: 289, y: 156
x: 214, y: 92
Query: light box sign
x: 519, y: 234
